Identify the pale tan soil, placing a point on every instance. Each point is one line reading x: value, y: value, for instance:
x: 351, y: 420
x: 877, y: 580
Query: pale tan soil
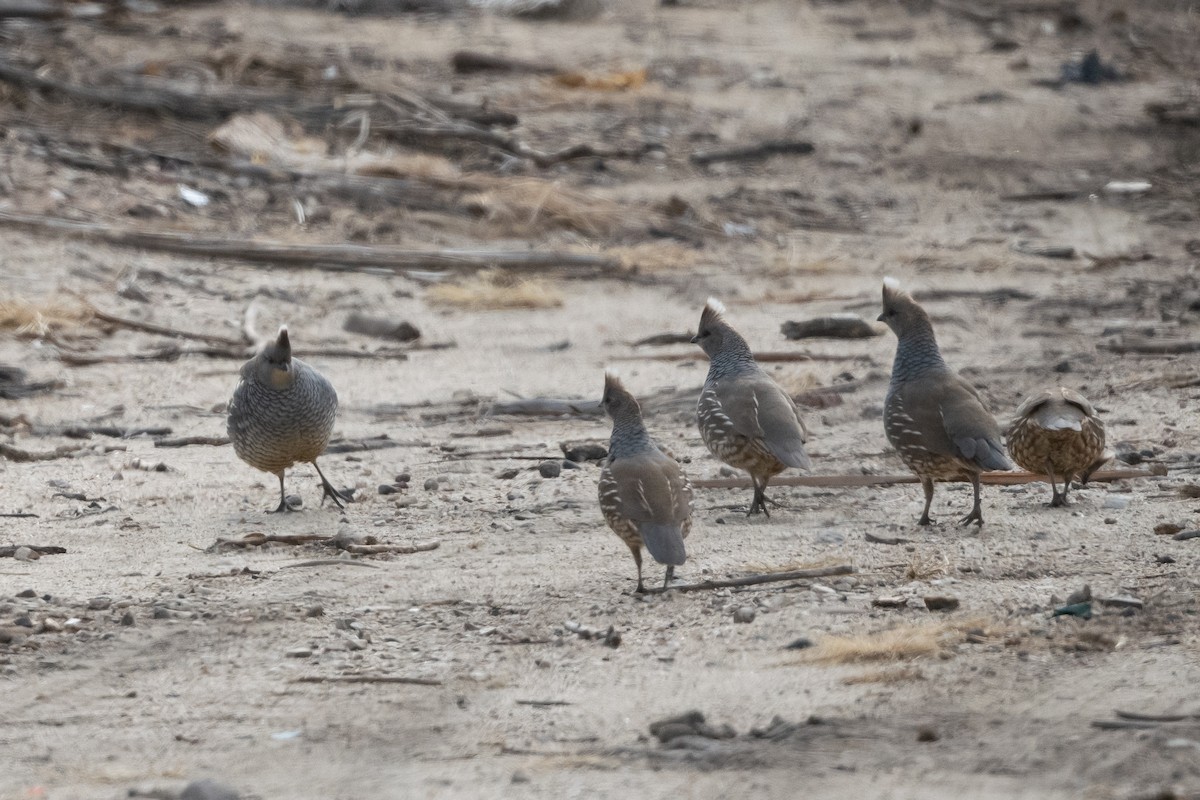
x: 208, y: 691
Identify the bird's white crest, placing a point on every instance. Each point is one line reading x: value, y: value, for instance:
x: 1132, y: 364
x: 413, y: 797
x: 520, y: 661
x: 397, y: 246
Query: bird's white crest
x: 716, y: 306
x: 891, y: 283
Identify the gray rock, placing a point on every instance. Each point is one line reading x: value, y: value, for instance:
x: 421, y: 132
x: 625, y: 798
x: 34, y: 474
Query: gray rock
x: 208, y: 790
x: 941, y: 603
x: 744, y: 614
x: 431, y: 484
x: 550, y: 469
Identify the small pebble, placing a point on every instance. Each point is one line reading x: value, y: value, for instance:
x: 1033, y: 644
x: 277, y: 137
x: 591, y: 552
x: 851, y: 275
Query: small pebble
x: 26, y: 554
x: 1116, y: 502
x: 127, y: 619
x: 520, y: 776
x: 27, y: 593
x: 431, y: 484
x: 803, y: 643
x: 927, y: 735
x: 550, y: 469
x: 299, y: 652
x: 744, y: 614
x: 99, y: 603
x: 387, y: 488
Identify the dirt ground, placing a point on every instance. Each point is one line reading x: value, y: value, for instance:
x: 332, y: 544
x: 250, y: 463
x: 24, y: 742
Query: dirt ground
x: 144, y: 658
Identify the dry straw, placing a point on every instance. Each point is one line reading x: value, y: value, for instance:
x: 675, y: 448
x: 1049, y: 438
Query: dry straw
x: 36, y: 319
x: 494, y: 290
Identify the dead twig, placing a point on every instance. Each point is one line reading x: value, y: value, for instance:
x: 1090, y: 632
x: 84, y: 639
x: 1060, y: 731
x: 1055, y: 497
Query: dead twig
x: 239, y: 352
x: 466, y: 62
x: 754, y: 152
x: 846, y: 481
x: 154, y: 95
x: 1140, y: 717
x: 330, y: 257
x: 12, y: 453
x: 1152, y: 347
x: 257, y: 539
x: 331, y: 562
x: 163, y: 330
x: 547, y: 407
x: 399, y: 549
x: 764, y: 357
x: 186, y: 441
x: 366, y: 679
x: 8, y: 551
x: 754, y: 580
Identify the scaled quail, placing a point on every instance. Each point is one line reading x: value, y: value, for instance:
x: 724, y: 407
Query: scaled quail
x: 935, y: 419
x: 1056, y: 432
x: 644, y: 495
x: 746, y: 420
x: 282, y: 413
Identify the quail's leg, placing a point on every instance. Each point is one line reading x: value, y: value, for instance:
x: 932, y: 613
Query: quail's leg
x: 670, y: 575
x: 1057, y: 499
x: 637, y: 559
x: 976, y: 514
x: 759, y: 503
x: 330, y: 492
x: 927, y: 485
x: 283, y: 503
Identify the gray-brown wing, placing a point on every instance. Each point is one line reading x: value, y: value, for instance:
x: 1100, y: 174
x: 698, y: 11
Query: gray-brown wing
x: 951, y: 420
x: 654, y: 494
x: 759, y: 409
x: 1030, y: 405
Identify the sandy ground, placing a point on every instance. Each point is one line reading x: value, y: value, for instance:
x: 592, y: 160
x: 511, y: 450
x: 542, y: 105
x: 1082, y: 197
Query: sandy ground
x: 183, y: 662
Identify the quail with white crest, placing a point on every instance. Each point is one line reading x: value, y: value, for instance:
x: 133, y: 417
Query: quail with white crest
x: 745, y: 418
x: 935, y: 419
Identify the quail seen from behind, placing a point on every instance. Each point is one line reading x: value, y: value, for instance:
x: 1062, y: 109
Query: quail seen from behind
x: 1057, y: 432
x: 745, y: 418
x: 644, y: 495
x: 282, y: 413
x: 932, y: 416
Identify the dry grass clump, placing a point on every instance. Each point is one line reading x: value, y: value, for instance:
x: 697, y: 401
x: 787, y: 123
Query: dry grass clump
x: 923, y: 566
x: 654, y: 257
x: 526, y: 204
x: 494, y: 290
x: 29, y: 319
x: 896, y: 644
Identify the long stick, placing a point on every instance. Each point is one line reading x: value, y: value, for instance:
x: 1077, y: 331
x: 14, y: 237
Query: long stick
x: 835, y: 481
x: 332, y: 257
x: 766, y: 356
x: 366, y: 679
x: 754, y: 580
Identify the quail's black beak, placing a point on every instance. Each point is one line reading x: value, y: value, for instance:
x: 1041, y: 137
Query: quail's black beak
x: 695, y: 339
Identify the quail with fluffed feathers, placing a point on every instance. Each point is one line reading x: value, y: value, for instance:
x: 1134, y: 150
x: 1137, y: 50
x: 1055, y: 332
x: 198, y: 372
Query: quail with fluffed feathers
x: 1057, y: 432
x: 932, y: 416
x: 745, y: 418
x: 281, y: 414
x: 644, y: 495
